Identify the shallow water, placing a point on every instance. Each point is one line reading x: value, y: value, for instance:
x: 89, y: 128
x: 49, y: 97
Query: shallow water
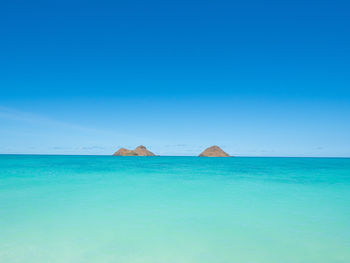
x: 174, y: 209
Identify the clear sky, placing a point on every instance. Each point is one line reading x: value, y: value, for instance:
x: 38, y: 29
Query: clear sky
x: 258, y: 78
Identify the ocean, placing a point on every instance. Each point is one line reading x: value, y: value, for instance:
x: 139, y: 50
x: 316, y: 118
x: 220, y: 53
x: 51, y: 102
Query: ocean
x: 99, y: 209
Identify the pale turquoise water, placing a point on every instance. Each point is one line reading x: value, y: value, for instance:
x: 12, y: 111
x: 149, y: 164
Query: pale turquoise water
x: 174, y: 209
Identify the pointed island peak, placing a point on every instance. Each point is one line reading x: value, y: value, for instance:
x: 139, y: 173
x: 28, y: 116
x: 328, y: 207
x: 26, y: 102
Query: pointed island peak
x: 214, y: 151
x: 139, y: 151
x: 142, y: 151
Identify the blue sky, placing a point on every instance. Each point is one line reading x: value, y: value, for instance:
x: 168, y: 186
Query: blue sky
x: 259, y: 78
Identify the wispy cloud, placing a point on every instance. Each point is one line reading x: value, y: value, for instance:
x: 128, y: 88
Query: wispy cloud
x: 60, y: 148
x: 16, y: 115
x: 91, y: 148
x: 39, y: 119
x: 176, y: 145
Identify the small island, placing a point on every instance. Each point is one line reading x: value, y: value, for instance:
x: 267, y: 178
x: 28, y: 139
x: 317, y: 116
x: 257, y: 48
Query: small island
x: 214, y: 151
x: 139, y: 151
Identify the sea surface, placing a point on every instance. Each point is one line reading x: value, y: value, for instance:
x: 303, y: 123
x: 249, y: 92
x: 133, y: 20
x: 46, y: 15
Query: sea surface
x: 99, y: 209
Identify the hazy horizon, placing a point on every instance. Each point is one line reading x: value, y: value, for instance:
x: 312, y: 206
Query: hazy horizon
x: 236, y: 156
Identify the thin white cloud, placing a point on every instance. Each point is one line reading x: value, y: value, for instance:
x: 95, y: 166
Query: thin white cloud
x: 16, y: 115
x: 27, y: 117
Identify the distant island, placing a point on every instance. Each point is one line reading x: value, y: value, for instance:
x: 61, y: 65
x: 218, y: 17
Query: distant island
x: 139, y: 151
x: 214, y: 151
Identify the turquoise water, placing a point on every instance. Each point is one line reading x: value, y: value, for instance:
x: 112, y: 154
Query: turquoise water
x: 174, y: 209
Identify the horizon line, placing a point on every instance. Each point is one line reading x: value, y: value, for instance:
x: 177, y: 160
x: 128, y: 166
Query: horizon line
x: 235, y: 156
